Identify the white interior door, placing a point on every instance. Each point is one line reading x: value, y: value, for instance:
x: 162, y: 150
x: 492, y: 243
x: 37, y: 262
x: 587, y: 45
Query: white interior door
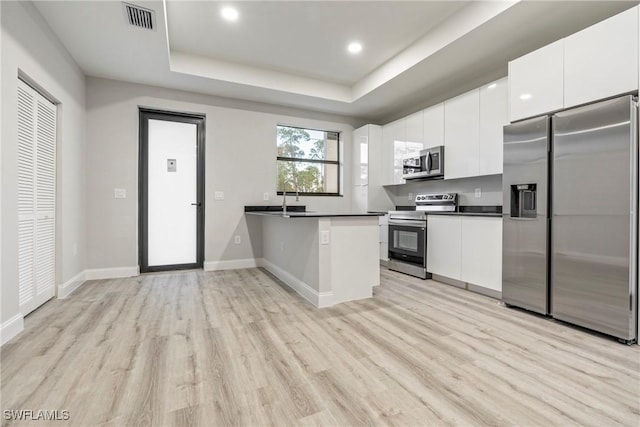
x: 36, y: 198
x: 172, y: 194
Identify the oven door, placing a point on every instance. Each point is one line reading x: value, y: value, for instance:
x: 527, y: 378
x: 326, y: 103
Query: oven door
x: 407, y: 241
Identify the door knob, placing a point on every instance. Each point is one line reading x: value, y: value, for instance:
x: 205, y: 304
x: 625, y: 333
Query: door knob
x: 196, y: 204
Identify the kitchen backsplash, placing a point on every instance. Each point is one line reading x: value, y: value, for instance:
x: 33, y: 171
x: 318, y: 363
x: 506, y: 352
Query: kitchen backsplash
x: 490, y: 190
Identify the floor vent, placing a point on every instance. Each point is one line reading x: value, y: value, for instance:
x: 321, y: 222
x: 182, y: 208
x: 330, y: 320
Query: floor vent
x: 139, y: 17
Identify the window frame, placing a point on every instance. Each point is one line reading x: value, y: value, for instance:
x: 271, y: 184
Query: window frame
x: 336, y: 162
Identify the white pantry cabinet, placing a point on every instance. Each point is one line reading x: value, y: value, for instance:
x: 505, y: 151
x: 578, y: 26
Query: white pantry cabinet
x: 536, y: 82
x: 461, y: 135
x: 394, y: 136
x: 481, y: 255
x: 369, y: 195
x: 443, y: 245
x: 602, y: 60
x: 494, y: 114
x: 433, y: 125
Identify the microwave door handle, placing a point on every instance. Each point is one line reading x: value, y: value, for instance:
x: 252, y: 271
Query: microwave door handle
x: 428, y: 162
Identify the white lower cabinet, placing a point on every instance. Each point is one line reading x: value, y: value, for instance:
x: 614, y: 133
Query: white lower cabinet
x: 443, y: 245
x: 468, y: 249
x: 481, y: 255
x: 384, y: 237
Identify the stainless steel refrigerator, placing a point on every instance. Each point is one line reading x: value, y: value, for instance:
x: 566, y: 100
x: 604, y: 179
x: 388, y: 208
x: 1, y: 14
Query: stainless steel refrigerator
x: 570, y: 208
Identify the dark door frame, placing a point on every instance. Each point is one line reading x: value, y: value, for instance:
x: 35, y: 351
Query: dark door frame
x: 143, y: 186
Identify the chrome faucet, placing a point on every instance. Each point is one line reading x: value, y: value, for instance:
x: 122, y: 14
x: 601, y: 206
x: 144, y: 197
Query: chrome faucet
x: 284, y: 194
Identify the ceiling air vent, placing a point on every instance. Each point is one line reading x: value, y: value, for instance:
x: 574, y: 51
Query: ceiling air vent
x: 139, y: 16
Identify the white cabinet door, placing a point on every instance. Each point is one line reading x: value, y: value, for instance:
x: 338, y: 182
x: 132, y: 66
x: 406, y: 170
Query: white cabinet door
x: 481, y: 254
x: 383, y: 221
x: 536, y: 82
x: 378, y: 199
x: 433, y: 118
x: 602, y: 60
x: 461, y: 133
x: 360, y: 175
x: 443, y: 245
x: 394, y: 141
x: 493, y: 116
x: 415, y: 133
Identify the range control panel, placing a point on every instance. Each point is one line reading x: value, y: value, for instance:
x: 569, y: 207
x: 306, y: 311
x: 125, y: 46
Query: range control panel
x: 437, y: 202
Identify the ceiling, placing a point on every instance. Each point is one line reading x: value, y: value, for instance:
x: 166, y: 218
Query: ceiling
x: 415, y: 53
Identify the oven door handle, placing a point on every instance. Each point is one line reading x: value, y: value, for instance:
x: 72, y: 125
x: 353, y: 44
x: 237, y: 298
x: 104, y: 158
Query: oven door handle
x: 409, y: 223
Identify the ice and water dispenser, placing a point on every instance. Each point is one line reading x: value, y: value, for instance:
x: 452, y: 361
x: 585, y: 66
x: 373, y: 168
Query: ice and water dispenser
x: 523, y: 201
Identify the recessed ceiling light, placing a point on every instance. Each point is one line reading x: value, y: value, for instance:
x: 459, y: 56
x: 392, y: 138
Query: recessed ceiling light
x: 492, y: 86
x: 354, y: 47
x: 230, y: 14
x: 525, y: 96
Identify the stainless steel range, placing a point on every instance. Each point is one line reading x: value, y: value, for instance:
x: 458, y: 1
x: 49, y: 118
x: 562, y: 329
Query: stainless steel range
x: 408, y: 233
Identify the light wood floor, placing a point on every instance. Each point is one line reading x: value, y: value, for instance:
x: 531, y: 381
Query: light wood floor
x: 237, y: 348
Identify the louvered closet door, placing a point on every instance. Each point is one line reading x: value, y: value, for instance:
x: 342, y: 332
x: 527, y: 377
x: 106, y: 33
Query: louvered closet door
x: 36, y: 198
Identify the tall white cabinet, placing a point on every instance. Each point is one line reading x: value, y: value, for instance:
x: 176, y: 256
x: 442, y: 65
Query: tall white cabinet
x: 36, y: 198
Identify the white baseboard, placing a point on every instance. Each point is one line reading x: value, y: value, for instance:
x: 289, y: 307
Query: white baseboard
x: 111, y: 273
x: 230, y: 265
x: 11, y: 328
x: 71, y: 285
x: 323, y: 299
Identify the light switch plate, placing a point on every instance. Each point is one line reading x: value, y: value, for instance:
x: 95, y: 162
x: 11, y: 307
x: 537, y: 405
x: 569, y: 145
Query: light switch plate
x: 324, y: 237
x: 478, y: 193
x: 119, y: 193
x: 219, y: 195
x: 265, y: 197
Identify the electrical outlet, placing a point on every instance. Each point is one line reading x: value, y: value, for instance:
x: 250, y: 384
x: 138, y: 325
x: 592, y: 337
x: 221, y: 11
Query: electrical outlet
x: 119, y: 193
x: 478, y: 193
x: 265, y: 197
x: 237, y: 240
x: 219, y: 195
x: 410, y: 197
x: 324, y: 237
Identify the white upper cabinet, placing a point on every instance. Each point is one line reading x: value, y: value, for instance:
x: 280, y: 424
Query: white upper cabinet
x: 494, y: 114
x: 415, y: 133
x: 461, y: 135
x: 433, y: 118
x: 602, y: 60
x: 536, y: 82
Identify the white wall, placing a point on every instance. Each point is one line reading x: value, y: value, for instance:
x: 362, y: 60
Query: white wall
x: 30, y: 46
x: 240, y: 160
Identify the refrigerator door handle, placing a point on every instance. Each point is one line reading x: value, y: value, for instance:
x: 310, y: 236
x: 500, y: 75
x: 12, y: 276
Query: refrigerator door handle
x: 633, y: 270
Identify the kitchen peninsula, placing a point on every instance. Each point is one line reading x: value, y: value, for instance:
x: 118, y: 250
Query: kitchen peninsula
x: 328, y: 258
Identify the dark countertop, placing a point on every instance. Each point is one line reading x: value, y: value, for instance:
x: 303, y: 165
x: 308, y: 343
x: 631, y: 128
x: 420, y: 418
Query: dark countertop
x: 487, y: 211
x: 293, y: 214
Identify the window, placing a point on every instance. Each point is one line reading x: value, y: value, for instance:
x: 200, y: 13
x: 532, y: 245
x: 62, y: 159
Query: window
x: 308, y: 161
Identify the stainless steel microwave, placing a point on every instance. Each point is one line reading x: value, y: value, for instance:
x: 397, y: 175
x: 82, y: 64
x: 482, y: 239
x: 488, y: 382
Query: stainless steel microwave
x: 428, y: 164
